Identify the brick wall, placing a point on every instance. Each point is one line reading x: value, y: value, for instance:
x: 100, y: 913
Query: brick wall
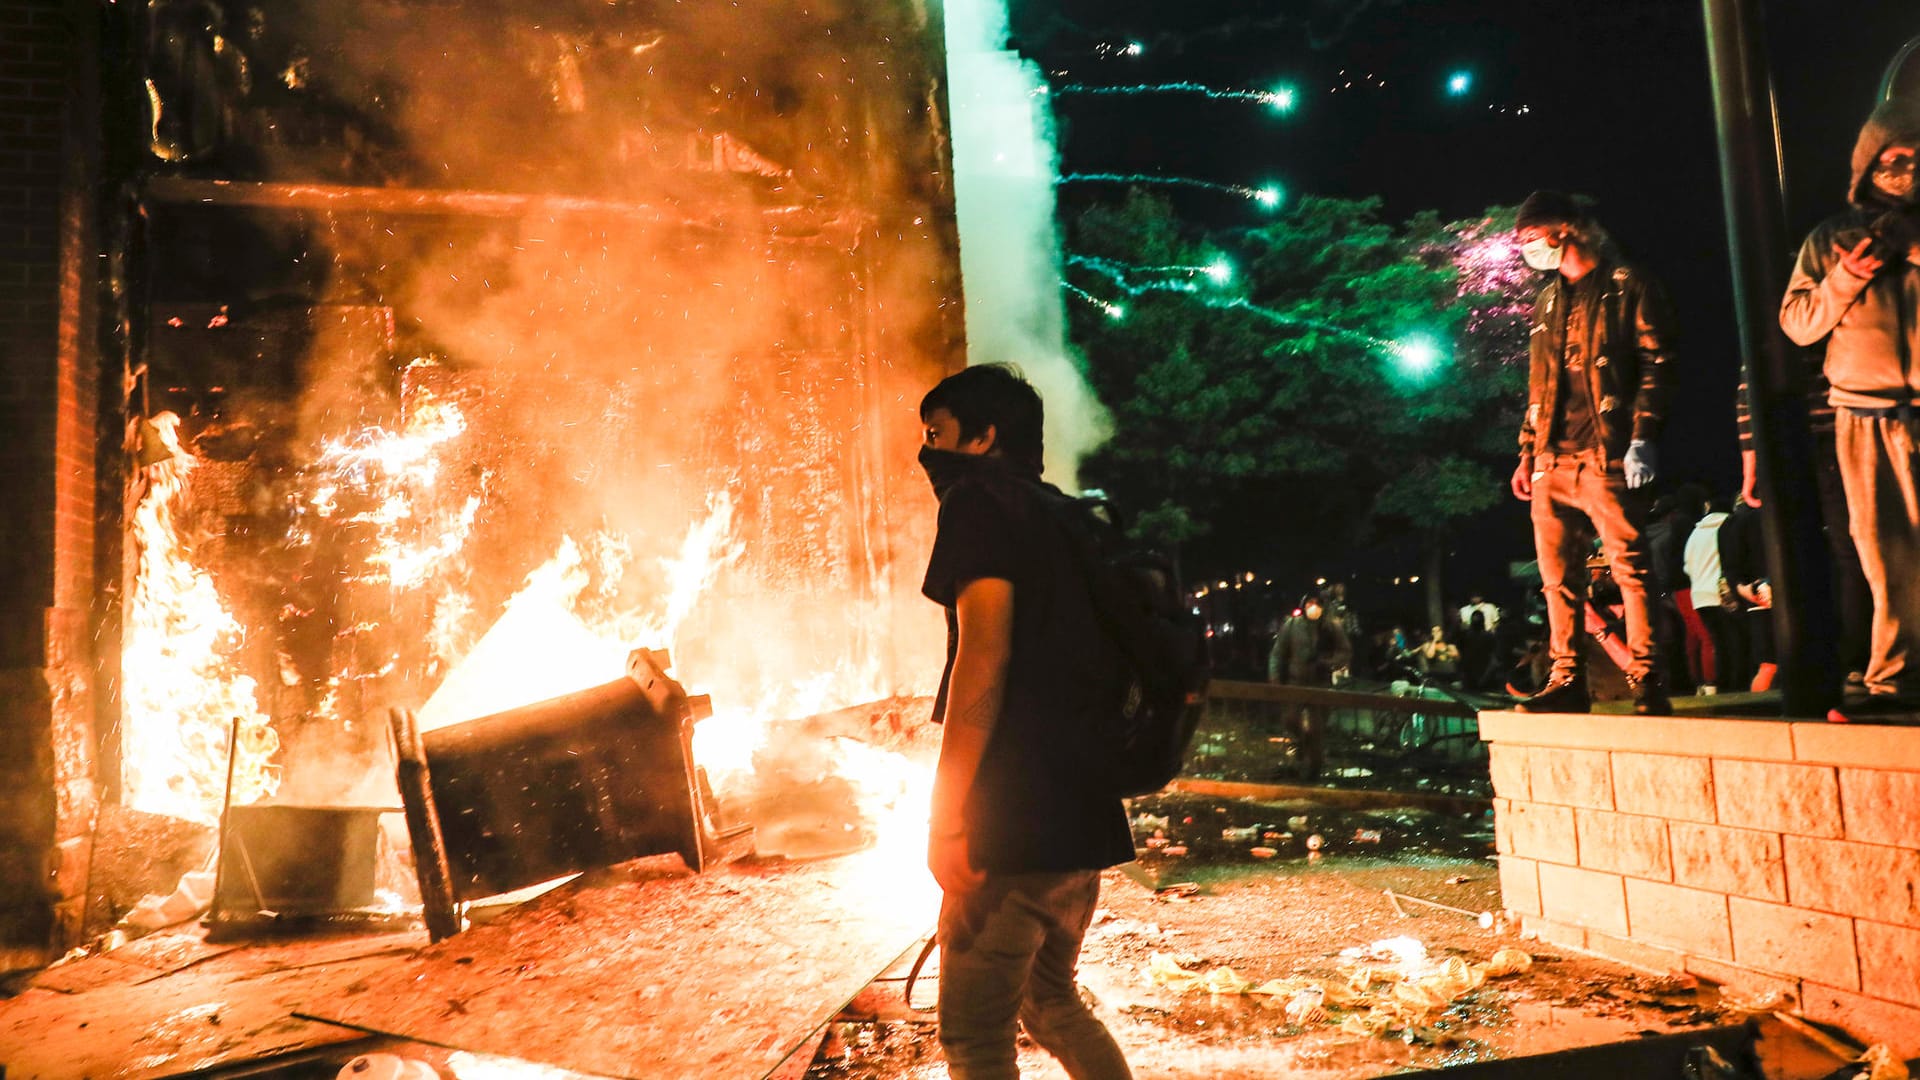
x: 1769, y: 856
x: 49, y: 390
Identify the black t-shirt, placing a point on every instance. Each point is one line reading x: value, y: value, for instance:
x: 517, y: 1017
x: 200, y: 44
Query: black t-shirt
x: 1573, y: 428
x: 1031, y: 807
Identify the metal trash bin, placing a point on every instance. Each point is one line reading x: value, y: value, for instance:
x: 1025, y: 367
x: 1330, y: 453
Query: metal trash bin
x: 565, y: 785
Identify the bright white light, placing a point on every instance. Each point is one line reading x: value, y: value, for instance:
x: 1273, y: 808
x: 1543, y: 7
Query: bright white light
x: 1459, y: 83
x: 1283, y: 98
x: 1116, y: 312
x: 1134, y: 48
x: 1220, y: 270
x: 1416, y: 356
x: 1267, y: 196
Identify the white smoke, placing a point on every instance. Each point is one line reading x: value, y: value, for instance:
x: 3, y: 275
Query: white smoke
x: 1004, y: 171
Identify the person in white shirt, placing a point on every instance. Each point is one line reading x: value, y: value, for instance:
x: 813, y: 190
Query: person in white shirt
x: 1702, y: 562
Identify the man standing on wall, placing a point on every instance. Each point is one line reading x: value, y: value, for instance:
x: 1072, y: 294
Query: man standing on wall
x: 1018, y: 833
x: 1854, y: 288
x: 1597, y: 389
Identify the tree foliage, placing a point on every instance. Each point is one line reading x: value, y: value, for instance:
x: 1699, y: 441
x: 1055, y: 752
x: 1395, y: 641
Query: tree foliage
x: 1350, y: 379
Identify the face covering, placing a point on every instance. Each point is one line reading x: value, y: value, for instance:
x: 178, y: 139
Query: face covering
x: 1894, y: 181
x: 946, y: 468
x: 1541, y: 254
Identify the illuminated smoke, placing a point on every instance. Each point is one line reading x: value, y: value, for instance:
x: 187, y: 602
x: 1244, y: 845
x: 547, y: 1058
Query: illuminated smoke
x: 1004, y: 165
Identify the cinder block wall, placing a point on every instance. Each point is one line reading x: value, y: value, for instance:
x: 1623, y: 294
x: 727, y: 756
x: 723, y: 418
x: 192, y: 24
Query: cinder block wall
x: 49, y: 393
x: 1764, y: 855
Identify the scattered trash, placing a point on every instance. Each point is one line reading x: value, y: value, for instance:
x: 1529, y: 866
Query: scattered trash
x: 386, y: 1067
x: 1508, y: 962
x: 1366, y: 836
x: 1175, y: 850
x: 1178, y: 890
x: 1458, y: 879
x: 1882, y: 1064
x: 1307, y: 1006
x: 1240, y: 835
x: 1316, y: 842
x: 1158, y: 841
x: 1297, y: 822
x: 156, y: 910
x: 1484, y: 918
x: 1263, y: 852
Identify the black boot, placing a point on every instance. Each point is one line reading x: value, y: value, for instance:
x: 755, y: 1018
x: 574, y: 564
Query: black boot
x: 1563, y: 694
x: 1649, y: 696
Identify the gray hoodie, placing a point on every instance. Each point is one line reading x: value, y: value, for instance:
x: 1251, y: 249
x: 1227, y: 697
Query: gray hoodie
x: 1871, y: 326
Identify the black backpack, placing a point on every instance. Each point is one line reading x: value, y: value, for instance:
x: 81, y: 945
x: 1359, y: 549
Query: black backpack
x: 1140, y: 604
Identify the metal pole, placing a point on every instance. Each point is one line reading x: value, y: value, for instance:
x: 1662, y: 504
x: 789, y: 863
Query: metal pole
x: 1804, y: 622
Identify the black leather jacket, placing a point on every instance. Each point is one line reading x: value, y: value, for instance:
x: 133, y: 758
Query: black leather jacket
x: 1630, y: 378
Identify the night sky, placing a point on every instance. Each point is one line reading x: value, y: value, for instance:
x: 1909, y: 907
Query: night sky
x: 1617, y: 104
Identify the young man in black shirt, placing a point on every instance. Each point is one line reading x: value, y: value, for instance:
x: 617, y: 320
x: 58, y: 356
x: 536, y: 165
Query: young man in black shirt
x: 1018, y: 835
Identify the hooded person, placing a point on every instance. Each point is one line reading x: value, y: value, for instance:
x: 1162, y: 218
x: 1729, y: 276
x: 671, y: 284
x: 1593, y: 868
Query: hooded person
x: 1853, y: 292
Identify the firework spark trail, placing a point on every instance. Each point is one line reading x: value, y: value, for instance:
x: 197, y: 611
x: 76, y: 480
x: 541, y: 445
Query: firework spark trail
x: 1118, y: 272
x: 1112, y: 310
x: 1266, y: 196
x: 1276, y: 98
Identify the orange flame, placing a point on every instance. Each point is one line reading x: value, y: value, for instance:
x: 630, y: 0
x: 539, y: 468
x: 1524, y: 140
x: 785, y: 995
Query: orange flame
x: 182, y: 691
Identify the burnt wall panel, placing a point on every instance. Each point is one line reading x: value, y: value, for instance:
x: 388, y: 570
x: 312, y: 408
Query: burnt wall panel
x: 48, y: 404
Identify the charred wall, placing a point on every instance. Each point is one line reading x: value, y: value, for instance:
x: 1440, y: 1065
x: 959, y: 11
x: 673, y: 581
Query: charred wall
x: 49, y: 395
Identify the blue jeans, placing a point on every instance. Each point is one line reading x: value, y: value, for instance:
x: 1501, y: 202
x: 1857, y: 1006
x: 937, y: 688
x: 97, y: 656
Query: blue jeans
x: 1009, y: 951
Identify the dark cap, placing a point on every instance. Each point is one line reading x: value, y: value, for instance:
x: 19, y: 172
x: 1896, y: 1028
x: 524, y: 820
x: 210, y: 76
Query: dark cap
x: 1549, y: 208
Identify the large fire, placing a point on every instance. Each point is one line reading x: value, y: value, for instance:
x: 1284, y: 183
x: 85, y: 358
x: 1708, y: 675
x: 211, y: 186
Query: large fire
x: 569, y: 626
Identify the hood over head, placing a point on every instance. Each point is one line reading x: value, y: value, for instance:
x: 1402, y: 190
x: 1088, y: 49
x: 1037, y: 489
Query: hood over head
x: 1896, y: 121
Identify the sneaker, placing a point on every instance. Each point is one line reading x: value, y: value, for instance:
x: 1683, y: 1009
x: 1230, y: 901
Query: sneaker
x: 1562, y: 694
x: 1649, y: 696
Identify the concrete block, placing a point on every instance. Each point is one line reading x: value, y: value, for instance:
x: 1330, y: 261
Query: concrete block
x: 1744, y: 862
x: 1508, y: 764
x: 1542, y: 832
x: 1889, y: 961
x: 1745, y: 983
x: 1519, y: 885
x: 1880, y: 805
x: 1624, y: 844
x: 1571, y: 777
x: 1502, y: 837
x: 1777, y: 796
x: 1760, y: 739
x: 1872, y: 881
x: 1565, y: 935
x: 1689, y: 919
x: 1637, y: 954
x: 1793, y: 941
x: 1665, y: 785
x: 1868, y: 746
x: 1584, y: 898
x: 1868, y: 1020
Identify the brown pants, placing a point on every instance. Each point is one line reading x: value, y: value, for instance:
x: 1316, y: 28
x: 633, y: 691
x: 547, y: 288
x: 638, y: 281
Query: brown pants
x: 1883, y: 514
x: 1569, y: 494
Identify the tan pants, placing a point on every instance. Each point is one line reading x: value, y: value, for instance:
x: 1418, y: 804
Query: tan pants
x: 1883, y: 514
x: 1569, y: 494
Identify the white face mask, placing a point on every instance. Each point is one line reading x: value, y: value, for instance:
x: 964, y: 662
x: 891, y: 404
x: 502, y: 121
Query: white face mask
x: 1541, y: 254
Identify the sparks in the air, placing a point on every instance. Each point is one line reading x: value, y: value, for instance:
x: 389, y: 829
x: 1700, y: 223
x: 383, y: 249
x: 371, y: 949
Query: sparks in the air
x: 1109, y: 308
x: 1268, y: 196
x: 1281, y: 99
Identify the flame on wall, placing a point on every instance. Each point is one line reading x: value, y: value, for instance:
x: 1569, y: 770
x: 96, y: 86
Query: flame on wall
x: 184, y: 690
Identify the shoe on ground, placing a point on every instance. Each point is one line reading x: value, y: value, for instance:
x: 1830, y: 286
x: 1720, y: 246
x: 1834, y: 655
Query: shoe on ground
x: 1649, y: 696
x: 1874, y: 708
x: 1562, y: 694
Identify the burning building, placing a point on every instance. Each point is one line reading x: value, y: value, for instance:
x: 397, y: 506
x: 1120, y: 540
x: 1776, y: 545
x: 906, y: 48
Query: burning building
x: 434, y: 355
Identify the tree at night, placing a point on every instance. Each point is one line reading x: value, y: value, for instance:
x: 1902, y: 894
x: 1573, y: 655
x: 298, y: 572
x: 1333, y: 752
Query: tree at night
x: 1286, y: 392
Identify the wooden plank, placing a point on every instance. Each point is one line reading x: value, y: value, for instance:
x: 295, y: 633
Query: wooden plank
x: 669, y: 975
x: 1228, y: 689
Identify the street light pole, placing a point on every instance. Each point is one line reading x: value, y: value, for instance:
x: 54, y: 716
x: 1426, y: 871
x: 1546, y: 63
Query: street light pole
x: 1752, y: 188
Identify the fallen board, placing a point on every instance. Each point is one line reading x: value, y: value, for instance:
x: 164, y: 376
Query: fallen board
x: 664, y: 976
